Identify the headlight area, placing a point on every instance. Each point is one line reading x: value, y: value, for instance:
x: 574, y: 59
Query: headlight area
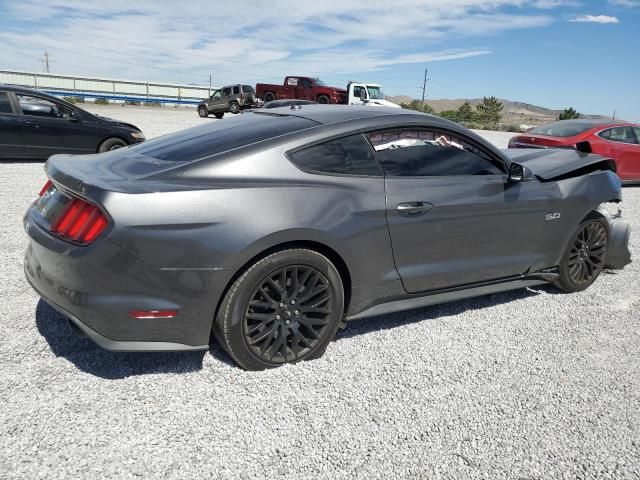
x: 138, y: 136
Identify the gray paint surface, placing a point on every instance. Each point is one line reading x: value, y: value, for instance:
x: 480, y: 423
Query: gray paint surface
x: 180, y: 231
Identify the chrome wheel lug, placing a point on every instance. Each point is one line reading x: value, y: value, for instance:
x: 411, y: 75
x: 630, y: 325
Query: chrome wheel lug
x: 281, y: 304
x: 278, y: 317
x: 297, y: 312
x: 293, y: 302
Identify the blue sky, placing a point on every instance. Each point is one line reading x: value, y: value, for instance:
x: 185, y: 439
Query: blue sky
x: 553, y: 53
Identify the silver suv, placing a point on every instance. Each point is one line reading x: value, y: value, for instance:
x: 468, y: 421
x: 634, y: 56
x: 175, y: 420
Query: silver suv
x: 232, y: 98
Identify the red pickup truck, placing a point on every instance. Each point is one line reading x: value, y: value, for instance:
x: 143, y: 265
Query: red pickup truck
x: 305, y: 88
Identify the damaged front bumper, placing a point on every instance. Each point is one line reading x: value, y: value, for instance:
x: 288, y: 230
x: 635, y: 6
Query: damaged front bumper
x: 618, y: 255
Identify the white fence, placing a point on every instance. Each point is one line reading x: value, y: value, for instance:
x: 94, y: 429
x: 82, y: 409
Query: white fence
x: 120, y: 90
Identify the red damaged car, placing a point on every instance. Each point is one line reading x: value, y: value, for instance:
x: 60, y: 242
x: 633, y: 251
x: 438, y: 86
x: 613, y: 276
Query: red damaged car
x: 617, y: 140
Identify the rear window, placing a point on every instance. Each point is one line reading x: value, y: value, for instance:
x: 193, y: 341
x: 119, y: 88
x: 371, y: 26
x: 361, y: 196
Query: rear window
x: 220, y: 136
x: 563, y: 128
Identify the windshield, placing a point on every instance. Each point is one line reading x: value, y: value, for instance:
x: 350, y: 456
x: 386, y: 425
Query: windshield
x: 375, y: 93
x: 320, y: 83
x: 563, y: 128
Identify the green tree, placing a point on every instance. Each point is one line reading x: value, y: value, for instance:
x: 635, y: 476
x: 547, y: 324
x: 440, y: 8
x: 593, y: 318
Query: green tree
x: 450, y: 115
x: 465, y: 112
x: 569, y: 114
x: 489, y: 110
x: 418, y: 106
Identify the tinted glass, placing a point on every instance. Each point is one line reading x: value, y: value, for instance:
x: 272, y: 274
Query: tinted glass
x: 619, y: 134
x: 344, y: 156
x: 426, y: 153
x: 41, y: 107
x: 636, y: 130
x: 236, y: 90
x: 217, y: 137
x: 5, y: 106
x: 248, y: 89
x: 563, y: 128
x: 226, y: 91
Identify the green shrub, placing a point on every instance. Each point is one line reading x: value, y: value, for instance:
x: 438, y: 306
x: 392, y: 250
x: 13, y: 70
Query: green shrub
x: 73, y: 99
x: 132, y: 102
x: 101, y: 101
x: 152, y: 104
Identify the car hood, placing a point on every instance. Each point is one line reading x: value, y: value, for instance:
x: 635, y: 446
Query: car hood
x: 551, y: 163
x: 117, y: 122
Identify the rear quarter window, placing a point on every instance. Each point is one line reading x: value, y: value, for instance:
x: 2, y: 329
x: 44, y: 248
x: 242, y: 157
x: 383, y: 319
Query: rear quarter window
x: 5, y: 105
x: 344, y: 156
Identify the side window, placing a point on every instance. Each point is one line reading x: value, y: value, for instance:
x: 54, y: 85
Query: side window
x: 344, y: 156
x: 40, y: 107
x: 636, y: 130
x: 226, y: 91
x: 620, y: 134
x: 292, y: 81
x: 236, y: 90
x: 5, y: 105
x: 426, y: 153
x: 306, y: 83
x: 357, y: 91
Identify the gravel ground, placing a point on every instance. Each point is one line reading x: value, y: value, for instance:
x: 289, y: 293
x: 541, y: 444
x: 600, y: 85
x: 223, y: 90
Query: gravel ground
x: 529, y: 384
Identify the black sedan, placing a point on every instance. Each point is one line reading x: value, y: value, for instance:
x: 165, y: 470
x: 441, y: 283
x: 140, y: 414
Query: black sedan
x: 271, y: 229
x: 35, y: 125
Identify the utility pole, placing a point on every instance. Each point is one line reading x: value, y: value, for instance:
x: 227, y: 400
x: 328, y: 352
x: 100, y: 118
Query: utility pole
x: 424, y: 84
x: 45, y: 61
x: 209, y: 84
x: 614, y: 114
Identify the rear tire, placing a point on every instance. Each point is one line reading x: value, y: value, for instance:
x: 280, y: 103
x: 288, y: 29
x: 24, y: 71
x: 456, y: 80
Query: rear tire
x: 203, y: 111
x: 269, y: 96
x: 585, y: 255
x: 111, y: 144
x: 323, y: 99
x: 285, y: 308
x: 219, y: 115
x: 234, y: 107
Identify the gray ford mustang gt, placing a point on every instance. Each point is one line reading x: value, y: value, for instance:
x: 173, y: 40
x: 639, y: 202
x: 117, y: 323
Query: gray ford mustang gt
x: 271, y: 228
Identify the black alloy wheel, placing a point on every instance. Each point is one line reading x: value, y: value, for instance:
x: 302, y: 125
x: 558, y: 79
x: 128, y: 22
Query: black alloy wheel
x: 288, y: 313
x: 284, y: 308
x: 585, y: 257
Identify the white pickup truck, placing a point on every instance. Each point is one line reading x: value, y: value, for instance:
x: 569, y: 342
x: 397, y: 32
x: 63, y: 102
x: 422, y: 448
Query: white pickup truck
x: 362, y: 93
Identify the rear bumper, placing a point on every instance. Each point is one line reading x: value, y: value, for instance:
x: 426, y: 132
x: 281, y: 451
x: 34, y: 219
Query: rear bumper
x: 98, y: 285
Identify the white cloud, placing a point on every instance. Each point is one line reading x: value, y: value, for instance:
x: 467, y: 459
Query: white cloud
x: 252, y: 41
x: 595, y: 19
x: 625, y: 3
x: 549, y: 4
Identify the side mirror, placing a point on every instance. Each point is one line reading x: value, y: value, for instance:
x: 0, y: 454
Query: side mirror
x: 363, y: 95
x: 519, y: 173
x: 584, y: 147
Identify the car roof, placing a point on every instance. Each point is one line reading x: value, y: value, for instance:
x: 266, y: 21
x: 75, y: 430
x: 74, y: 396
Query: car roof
x: 329, y: 114
x: 591, y: 122
x: 18, y: 88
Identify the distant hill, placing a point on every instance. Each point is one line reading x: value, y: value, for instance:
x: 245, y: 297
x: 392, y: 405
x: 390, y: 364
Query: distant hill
x: 518, y: 113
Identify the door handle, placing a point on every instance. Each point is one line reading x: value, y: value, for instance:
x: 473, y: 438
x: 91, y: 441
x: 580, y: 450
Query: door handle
x: 413, y: 209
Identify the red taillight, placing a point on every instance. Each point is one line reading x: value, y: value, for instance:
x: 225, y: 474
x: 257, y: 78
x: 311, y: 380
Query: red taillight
x: 80, y: 222
x: 45, y: 188
x: 153, y: 313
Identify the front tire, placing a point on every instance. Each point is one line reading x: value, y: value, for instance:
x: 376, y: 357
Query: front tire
x: 585, y: 256
x: 285, y: 308
x: 219, y: 115
x: 203, y: 111
x: 111, y: 144
x: 323, y: 99
x: 234, y: 108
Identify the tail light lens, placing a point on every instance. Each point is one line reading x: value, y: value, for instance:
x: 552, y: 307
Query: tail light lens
x: 45, y: 188
x: 79, y: 221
